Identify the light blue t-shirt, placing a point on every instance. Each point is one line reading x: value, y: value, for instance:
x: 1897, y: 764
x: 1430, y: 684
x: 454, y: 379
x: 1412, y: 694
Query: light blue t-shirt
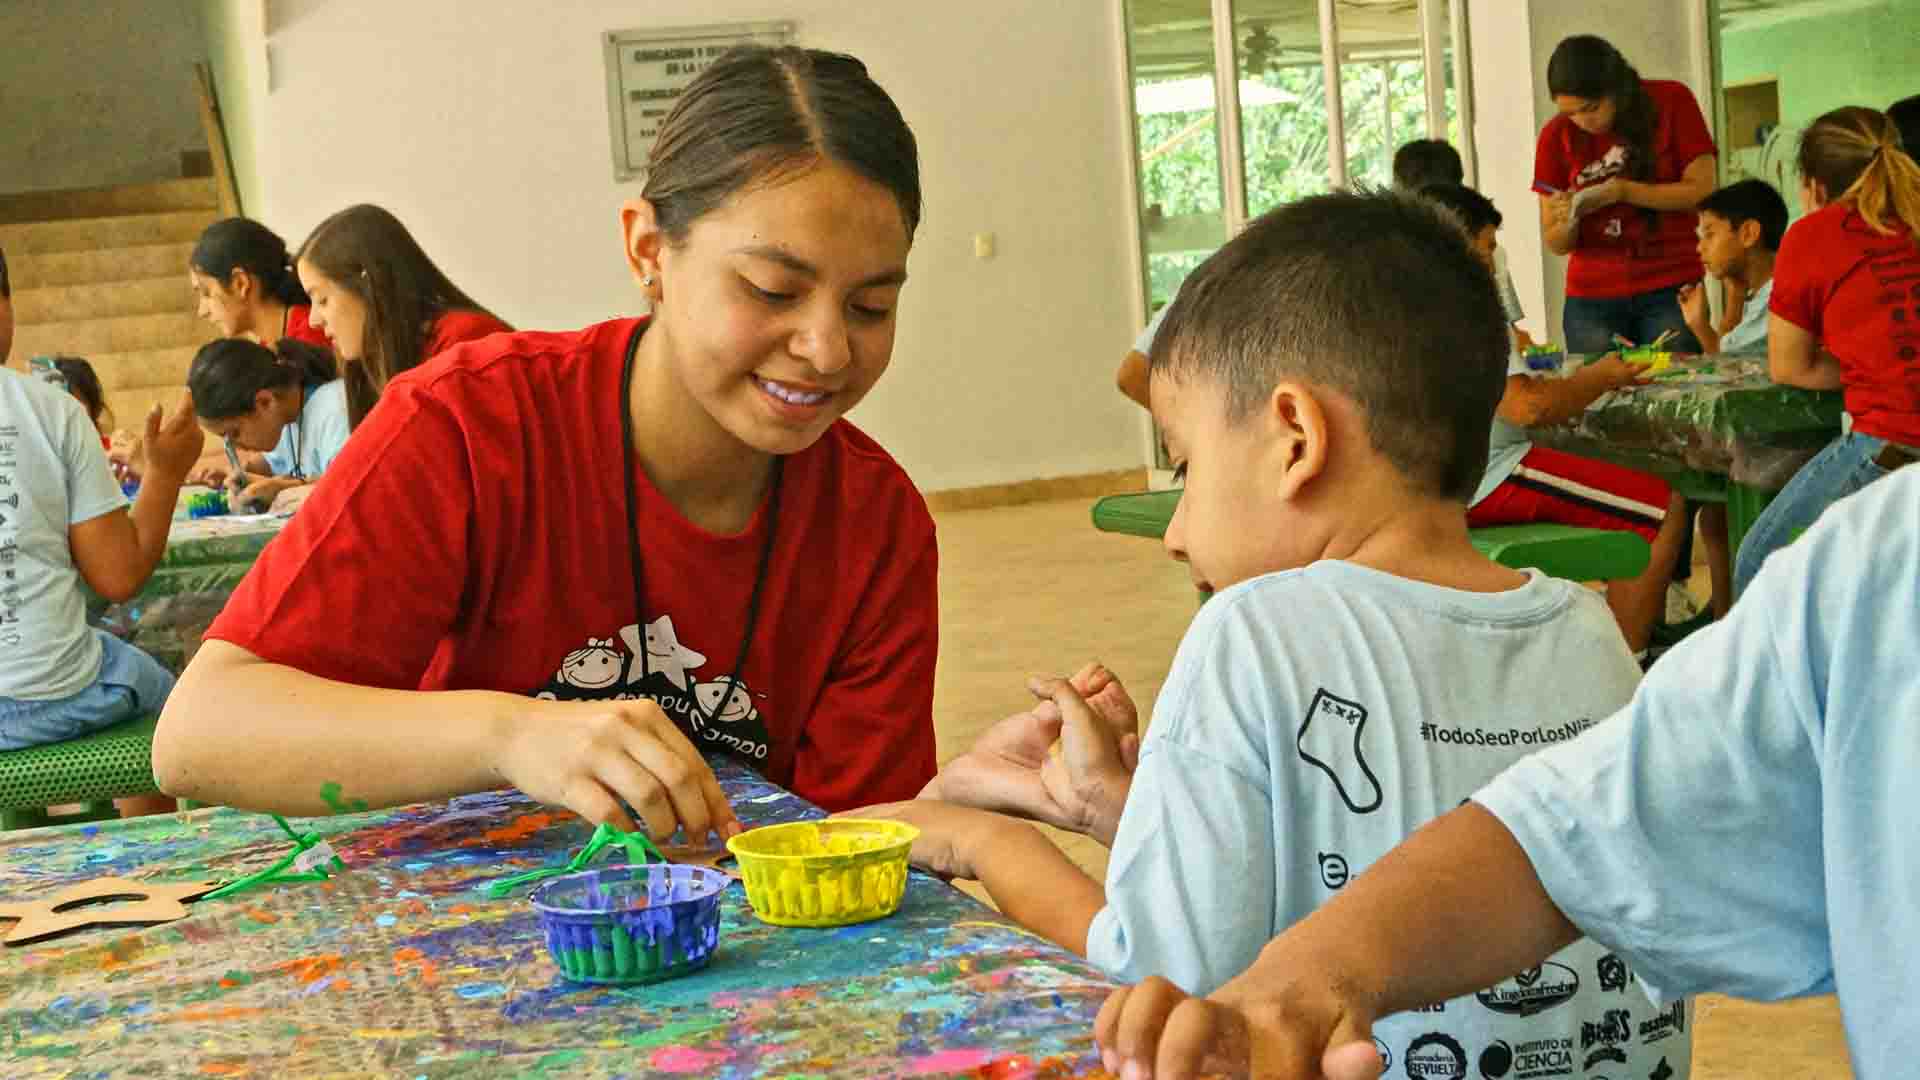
x: 53, y: 475
x: 313, y: 441
x: 1751, y: 334
x: 1750, y: 823
x: 1311, y: 721
x: 1508, y: 445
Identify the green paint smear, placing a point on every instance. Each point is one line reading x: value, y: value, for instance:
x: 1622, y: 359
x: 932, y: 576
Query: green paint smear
x: 670, y: 1034
x: 559, y: 1060
x: 46, y: 1051
x: 330, y: 794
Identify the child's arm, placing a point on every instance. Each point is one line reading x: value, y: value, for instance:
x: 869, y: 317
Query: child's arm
x: 1029, y: 879
x: 116, y: 552
x: 1693, y: 308
x: 1531, y: 401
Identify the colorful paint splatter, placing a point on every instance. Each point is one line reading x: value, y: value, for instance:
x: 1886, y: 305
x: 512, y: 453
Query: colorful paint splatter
x: 402, y: 967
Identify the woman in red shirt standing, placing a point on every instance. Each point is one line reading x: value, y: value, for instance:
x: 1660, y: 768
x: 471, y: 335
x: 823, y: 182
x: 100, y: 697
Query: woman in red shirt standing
x: 1633, y: 157
x: 1845, y: 315
x: 572, y: 561
x: 382, y: 303
x: 245, y: 286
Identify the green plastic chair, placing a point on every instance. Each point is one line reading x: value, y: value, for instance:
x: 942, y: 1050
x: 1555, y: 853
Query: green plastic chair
x: 1561, y: 551
x: 110, y: 764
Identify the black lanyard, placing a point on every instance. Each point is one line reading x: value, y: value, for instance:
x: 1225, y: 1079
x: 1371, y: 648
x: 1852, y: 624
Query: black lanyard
x: 633, y: 541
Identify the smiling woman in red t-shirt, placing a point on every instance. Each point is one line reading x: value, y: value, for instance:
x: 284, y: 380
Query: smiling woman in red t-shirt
x: 600, y: 552
x: 1633, y: 156
x: 1845, y: 315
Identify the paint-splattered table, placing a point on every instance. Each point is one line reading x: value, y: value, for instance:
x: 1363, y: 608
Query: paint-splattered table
x: 205, y: 560
x: 402, y: 967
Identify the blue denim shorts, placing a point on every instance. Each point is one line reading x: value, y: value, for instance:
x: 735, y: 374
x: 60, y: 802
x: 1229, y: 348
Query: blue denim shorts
x: 130, y: 684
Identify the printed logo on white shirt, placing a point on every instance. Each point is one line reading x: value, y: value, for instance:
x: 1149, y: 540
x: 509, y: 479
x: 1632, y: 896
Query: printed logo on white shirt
x: 1329, y: 740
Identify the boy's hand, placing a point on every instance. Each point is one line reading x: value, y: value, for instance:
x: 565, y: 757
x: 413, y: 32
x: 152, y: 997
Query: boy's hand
x: 950, y: 836
x: 1693, y: 305
x: 594, y: 756
x: 1156, y: 1030
x: 1614, y: 371
x: 172, y: 442
x: 1011, y: 769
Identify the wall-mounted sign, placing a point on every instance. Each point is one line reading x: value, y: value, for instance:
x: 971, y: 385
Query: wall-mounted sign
x: 647, y: 70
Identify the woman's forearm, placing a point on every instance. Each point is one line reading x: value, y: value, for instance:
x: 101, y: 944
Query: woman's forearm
x: 240, y: 731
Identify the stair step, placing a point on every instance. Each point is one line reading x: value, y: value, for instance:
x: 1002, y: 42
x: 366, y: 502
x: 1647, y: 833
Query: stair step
x: 81, y: 234
x: 169, y: 295
x: 143, y: 368
x: 98, y: 266
x: 159, y: 197
x: 127, y: 333
x: 129, y: 407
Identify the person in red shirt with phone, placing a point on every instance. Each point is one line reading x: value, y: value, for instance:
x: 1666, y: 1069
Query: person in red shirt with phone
x: 1618, y: 173
x: 1845, y: 315
x: 571, y: 562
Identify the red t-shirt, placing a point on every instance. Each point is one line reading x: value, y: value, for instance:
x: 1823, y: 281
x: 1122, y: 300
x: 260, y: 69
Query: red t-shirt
x: 472, y: 535
x: 299, y: 329
x: 1617, y: 254
x: 454, y: 327
x: 1858, y: 293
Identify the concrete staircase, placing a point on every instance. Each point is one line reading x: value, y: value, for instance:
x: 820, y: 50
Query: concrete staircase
x: 102, y: 273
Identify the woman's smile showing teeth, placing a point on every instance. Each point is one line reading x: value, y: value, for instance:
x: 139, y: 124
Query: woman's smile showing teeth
x: 804, y: 397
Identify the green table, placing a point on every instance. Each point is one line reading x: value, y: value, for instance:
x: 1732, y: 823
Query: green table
x: 204, y: 563
x: 1555, y: 550
x: 1716, y: 428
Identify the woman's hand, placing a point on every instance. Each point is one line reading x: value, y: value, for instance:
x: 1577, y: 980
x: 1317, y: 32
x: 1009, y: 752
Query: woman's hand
x: 594, y: 756
x: 1560, y: 209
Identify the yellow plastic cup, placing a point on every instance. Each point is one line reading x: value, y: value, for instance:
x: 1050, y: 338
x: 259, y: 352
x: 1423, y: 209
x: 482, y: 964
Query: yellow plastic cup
x: 833, y: 872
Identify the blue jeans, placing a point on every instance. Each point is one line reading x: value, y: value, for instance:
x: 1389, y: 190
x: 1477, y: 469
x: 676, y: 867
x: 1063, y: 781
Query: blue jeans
x: 1589, y: 324
x: 1844, y: 467
x: 130, y: 684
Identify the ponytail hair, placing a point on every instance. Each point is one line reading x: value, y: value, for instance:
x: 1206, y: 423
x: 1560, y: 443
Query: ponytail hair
x: 84, y: 383
x: 244, y: 244
x: 1589, y: 67
x: 227, y: 374
x: 1856, y: 154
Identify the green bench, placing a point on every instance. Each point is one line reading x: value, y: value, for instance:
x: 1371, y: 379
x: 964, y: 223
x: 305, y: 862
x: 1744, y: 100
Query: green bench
x: 110, y: 764
x: 1561, y: 551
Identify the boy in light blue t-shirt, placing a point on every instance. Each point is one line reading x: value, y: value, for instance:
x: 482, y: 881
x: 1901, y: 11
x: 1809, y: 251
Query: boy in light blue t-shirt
x: 1327, y: 384
x: 1741, y: 226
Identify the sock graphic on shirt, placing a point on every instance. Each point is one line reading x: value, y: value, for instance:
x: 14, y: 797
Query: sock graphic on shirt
x: 1329, y: 740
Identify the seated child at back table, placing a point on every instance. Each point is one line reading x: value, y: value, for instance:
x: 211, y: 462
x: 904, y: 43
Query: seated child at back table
x: 1740, y: 230
x: 1362, y: 668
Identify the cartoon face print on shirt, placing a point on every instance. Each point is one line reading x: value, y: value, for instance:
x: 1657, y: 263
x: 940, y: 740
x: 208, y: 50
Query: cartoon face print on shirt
x: 1609, y: 165
x: 714, y: 710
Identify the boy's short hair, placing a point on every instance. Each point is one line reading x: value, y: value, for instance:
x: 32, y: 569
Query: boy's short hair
x: 1905, y: 115
x: 1474, y: 210
x: 1750, y: 200
x: 6, y: 284
x: 1373, y: 294
x: 1427, y: 161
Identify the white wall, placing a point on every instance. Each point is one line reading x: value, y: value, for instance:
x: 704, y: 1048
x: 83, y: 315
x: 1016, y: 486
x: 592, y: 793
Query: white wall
x: 236, y: 53
x: 96, y: 92
x: 1512, y: 41
x: 482, y: 124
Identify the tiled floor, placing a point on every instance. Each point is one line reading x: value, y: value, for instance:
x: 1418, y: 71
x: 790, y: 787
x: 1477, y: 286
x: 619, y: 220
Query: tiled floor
x: 1035, y: 589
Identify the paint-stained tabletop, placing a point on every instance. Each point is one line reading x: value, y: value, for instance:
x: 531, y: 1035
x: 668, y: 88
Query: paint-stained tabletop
x: 402, y: 966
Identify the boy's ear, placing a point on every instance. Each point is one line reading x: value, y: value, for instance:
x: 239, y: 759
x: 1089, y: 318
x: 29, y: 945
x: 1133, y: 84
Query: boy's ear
x: 1301, y: 437
x: 1749, y: 233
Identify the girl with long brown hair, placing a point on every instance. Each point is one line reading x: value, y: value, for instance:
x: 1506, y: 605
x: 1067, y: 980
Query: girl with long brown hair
x: 1845, y: 315
x: 382, y: 303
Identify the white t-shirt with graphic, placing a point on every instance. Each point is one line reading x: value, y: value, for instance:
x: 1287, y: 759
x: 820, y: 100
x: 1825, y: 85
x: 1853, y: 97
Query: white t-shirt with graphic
x: 53, y: 474
x: 1313, y: 719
